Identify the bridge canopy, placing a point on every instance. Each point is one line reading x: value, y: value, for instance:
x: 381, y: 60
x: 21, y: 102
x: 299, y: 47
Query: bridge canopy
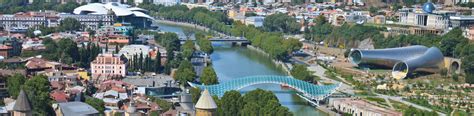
x: 309, y: 90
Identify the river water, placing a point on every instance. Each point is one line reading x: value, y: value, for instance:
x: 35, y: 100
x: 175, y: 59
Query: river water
x: 237, y: 62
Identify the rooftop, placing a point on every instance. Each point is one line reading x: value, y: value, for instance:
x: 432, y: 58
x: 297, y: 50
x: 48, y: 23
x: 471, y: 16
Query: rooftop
x: 77, y: 109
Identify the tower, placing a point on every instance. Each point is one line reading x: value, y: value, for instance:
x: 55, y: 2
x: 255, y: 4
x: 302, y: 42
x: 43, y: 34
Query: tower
x: 206, y: 105
x: 22, y: 105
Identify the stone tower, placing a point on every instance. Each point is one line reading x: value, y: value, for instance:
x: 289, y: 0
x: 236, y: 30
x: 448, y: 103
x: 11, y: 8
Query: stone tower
x: 22, y: 105
x: 206, y: 105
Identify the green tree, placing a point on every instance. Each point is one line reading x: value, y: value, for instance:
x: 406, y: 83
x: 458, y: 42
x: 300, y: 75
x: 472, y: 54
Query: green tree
x: 185, y: 72
x: 204, y: 43
x: 37, y: 89
x: 450, y: 40
x: 195, y: 94
x: 468, y: 66
x: 301, y: 72
x: 158, y: 61
x: 14, y: 84
x: 69, y: 24
x: 209, y: 76
x: 188, y: 49
x: 188, y: 32
x: 98, y: 104
x: 231, y: 104
x: 280, y: 22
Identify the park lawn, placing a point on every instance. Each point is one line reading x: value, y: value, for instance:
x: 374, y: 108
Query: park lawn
x: 461, y: 113
x: 380, y: 101
x: 399, y: 106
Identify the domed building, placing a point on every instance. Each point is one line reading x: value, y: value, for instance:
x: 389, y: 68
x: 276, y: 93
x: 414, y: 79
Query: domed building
x: 206, y: 105
x: 428, y: 7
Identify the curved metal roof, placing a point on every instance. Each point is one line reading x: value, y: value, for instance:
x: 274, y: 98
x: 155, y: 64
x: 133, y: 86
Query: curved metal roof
x: 403, y: 60
x: 117, y: 8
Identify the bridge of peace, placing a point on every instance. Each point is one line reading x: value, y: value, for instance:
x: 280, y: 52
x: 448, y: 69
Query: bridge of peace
x: 308, y: 91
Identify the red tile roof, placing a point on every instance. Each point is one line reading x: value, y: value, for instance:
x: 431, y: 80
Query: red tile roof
x: 59, y: 96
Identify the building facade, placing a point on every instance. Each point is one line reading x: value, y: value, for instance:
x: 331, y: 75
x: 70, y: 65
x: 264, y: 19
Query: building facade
x: 90, y: 21
x: 360, y: 108
x: 108, y: 65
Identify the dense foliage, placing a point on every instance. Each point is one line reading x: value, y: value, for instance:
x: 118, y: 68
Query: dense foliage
x: 187, y: 49
x: 185, y: 72
x: 204, y: 43
x: 270, y: 42
x: 412, y: 111
x: 144, y: 64
x: 280, y: 22
x: 37, y: 89
x: 209, y: 76
x: 254, y: 103
x: 98, y: 104
x: 14, y: 6
x: 66, y: 51
x: 14, y: 84
x: 301, y: 72
x: 69, y: 24
x: 345, y: 36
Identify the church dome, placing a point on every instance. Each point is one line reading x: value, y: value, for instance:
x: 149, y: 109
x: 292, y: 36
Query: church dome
x: 429, y: 7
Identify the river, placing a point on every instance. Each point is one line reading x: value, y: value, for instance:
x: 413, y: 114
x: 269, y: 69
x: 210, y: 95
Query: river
x: 236, y: 62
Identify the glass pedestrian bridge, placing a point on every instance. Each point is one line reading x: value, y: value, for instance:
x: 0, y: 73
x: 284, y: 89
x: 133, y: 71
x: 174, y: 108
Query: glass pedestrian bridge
x: 308, y: 90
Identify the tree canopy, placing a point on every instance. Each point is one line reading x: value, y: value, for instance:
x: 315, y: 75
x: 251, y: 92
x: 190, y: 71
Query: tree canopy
x: 14, y: 84
x: 98, y: 104
x: 209, y: 76
x: 185, y: 72
x: 69, y: 24
x: 301, y: 72
x: 280, y: 22
x: 37, y: 89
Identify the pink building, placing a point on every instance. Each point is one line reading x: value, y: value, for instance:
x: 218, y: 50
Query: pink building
x: 108, y: 65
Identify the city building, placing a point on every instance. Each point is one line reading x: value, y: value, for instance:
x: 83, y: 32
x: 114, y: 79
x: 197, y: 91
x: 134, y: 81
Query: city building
x: 91, y: 21
x: 122, y: 13
x: 108, y: 65
x: 257, y: 21
x: 75, y: 109
x: 167, y: 2
x: 206, y: 105
x: 22, y: 105
x: 130, y: 50
x: 9, y: 47
x: 360, y: 108
x: 114, y: 39
x: 118, y: 29
x: 462, y: 21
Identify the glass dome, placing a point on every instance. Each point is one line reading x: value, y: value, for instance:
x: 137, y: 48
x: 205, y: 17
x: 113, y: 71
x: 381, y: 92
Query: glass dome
x: 429, y: 7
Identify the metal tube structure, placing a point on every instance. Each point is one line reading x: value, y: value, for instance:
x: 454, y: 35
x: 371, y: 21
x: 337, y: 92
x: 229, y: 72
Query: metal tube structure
x: 403, y: 60
x: 385, y: 57
x: 432, y: 58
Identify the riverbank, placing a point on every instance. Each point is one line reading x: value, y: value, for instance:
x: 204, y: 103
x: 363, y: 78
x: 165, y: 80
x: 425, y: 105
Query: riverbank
x: 189, y: 25
x: 278, y: 63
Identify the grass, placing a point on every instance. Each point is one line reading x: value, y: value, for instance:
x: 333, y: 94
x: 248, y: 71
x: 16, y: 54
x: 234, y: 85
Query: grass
x: 364, y: 93
x: 461, y: 113
x: 380, y: 101
x: 399, y: 106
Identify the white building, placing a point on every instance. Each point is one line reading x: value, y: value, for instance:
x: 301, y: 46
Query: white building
x: 130, y: 50
x: 257, y: 21
x: 90, y: 21
x: 167, y: 2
